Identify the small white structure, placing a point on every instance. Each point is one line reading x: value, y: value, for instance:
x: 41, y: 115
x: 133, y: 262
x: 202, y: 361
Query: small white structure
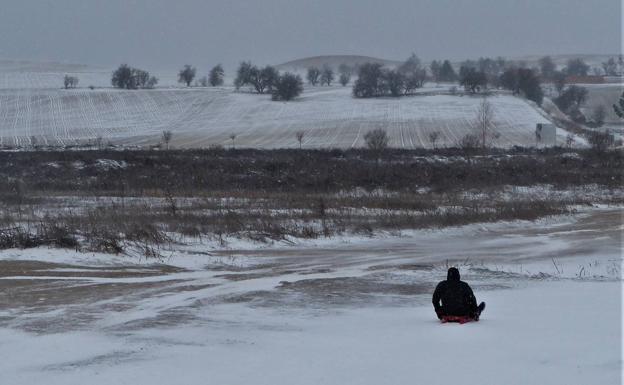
x: 546, y: 134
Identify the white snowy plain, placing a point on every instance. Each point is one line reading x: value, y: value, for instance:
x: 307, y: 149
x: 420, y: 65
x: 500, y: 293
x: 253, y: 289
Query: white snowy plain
x: 329, y: 117
x: 550, y: 333
x: 537, y: 329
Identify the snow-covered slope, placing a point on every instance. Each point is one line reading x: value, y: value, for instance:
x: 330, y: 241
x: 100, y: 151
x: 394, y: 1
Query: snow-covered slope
x: 329, y: 116
x: 351, y: 313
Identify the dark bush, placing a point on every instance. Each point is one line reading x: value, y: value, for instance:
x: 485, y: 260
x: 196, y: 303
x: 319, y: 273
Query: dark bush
x: 287, y: 87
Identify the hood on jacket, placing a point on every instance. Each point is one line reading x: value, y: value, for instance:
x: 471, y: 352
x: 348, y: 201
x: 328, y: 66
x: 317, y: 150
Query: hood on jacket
x: 453, y: 274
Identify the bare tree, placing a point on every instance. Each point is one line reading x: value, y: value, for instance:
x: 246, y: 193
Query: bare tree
x: 327, y: 75
x: 186, y: 75
x: 559, y: 80
x: 472, y: 80
x: 216, y: 75
x: 484, y: 123
x: 577, y: 67
x: 469, y: 141
x: 261, y: 79
x: 548, y: 68
x: 166, y: 137
x: 300, y: 135
x: 413, y: 74
x: 344, y: 79
x: 233, y: 139
x: 433, y: 138
x: 70, y: 82
x: 345, y: 74
x: 570, y: 140
x: 313, y: 75
x: 369, y: 81
x: 129, y: 78
x: 377, y: 139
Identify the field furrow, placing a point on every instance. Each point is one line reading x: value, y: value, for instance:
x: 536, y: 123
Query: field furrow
x: 329, y: 116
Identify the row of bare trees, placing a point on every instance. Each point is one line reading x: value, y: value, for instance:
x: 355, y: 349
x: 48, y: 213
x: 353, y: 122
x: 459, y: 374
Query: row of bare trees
x: 215, y: 77
x: 326, y: 76
x: 282, y: 87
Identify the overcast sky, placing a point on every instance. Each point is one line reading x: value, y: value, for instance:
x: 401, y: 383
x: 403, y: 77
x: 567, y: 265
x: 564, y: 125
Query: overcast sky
x: 166, y: 33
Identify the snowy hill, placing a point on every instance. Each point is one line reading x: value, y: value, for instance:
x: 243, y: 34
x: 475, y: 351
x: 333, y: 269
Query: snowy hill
x: 199, y: 117
x: 333, y: 61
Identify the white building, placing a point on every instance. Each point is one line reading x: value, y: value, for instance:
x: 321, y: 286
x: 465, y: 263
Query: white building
x: 546, y: 134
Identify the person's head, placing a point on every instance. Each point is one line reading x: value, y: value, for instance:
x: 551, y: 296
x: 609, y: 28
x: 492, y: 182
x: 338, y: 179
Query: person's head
x: 453, y: 274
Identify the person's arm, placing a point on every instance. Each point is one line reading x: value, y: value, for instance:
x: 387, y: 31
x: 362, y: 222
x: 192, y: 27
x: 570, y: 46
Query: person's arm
x: 470, y: 297
x: 437, y: 294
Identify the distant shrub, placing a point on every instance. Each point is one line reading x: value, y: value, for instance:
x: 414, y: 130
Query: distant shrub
x: 287, y: 87
x: 472, y: 80
x: 186, y: 75
x: 369, y: 81
x: 573, y: 97
x: 130, y: 78
x: 375, y: 81
x: 70, y: 82
x: 327, y: 75
x: 313, y: 76
x: 376, y: 140
x: 601, y: 141
x: 216, y: 76
x: 346, y: 72
x: 469, y: 141
x: 261, y: 79
x: 523, y: 81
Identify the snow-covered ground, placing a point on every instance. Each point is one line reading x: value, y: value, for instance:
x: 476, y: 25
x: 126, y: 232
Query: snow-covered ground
x: 17, y: 74
x: 332, y: 312
x: 330, y: 117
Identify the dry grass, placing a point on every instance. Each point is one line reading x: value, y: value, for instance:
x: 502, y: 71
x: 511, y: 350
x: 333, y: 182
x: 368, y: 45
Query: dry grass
x: 143, y: 200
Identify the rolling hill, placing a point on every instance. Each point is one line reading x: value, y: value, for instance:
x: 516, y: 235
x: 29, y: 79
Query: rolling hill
x: 200, y: 117
x: 333, y: 61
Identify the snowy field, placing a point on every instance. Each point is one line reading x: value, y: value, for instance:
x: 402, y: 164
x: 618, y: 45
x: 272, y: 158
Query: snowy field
x: 330, y: 117
x: 34, y: 105
x: 340, y: 311
x: 15, y: 74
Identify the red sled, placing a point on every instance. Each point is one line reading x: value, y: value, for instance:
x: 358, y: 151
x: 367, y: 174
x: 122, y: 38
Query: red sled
x: 460, y: 319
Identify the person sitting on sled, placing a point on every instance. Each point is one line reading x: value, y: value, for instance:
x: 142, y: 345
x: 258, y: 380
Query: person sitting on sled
x: 458, y: 301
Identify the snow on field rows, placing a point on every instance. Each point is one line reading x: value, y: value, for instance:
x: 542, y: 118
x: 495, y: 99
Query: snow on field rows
x: 329, y: 116
x: 33, y: 75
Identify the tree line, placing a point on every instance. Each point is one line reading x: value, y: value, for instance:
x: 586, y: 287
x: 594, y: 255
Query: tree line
x: 269, y: 80
x: 375, y: 80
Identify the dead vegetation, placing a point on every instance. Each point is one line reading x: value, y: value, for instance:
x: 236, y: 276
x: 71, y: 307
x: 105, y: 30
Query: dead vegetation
x: 144, y: 201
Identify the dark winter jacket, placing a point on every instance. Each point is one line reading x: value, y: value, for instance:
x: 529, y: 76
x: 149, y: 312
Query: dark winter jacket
x: 456, y: 296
